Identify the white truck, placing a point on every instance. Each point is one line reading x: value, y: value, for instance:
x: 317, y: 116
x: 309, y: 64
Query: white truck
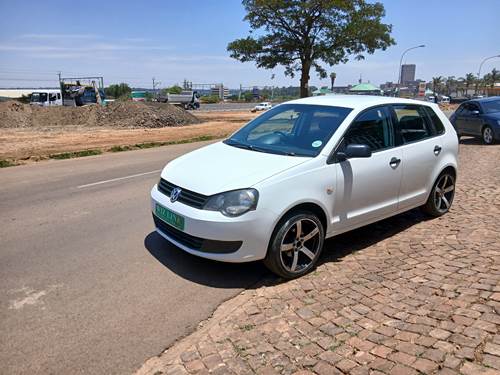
x: 186, y: 99
x: 46, y: 97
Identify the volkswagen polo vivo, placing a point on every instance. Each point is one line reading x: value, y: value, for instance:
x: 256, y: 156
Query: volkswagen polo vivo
x: 303, y: 171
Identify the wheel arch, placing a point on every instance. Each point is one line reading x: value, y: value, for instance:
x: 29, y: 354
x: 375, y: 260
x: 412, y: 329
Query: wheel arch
x: 303, y: 206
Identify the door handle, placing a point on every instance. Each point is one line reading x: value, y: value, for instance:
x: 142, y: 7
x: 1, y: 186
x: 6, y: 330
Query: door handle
x: 394, y: 162
x: 437, y: 150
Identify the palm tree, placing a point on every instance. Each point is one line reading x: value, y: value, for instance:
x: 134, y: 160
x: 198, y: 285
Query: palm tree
x: 333, y: 75
x: 436, y: 84
x: 494, y: 76
x: 470, y: 78
x: 451, y: 83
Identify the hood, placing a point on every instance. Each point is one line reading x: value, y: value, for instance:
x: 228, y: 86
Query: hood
x: 219, y: 167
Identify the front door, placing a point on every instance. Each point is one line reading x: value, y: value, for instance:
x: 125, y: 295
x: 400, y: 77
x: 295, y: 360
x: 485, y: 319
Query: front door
x: 368, y: 188
x: 474, y: 122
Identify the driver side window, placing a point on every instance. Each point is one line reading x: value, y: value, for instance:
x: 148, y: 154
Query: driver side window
x: 372, y: 128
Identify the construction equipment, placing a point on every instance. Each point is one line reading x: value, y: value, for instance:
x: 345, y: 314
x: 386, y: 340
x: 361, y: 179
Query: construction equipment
x: 82, y: 91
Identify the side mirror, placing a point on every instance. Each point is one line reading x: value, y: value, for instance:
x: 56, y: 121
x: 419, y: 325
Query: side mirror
x: 354, y: 151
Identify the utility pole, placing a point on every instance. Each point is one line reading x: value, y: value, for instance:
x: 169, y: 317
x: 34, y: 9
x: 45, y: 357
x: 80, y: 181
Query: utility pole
x: 239, y: 94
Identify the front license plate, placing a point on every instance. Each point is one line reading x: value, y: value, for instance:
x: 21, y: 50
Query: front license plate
x: 169, y: 217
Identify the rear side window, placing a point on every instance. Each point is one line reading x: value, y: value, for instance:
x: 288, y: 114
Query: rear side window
x: 435, y: 121
x: 411, y: 123
x: 372, y: 128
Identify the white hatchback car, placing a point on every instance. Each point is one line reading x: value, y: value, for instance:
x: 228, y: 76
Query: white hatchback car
x: 304, y: 171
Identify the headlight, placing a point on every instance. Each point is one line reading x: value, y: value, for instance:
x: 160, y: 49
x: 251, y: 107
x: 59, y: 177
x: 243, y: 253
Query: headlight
x: 233, y: 203
x: 498, y: 122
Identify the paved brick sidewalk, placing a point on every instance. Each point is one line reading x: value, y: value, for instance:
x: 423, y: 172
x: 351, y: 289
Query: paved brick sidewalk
x: 404, y: 296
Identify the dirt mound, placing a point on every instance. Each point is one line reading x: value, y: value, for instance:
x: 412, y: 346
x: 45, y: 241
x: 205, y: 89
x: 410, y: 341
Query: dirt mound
x: 114, y: 115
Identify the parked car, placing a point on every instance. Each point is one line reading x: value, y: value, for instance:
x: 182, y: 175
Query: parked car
x: 445, y: 100
x: 262, y: 107
x: 478, y: 118
x: 303, y: 171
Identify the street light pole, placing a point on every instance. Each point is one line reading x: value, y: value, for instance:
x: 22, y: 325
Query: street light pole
x: 401, y: 63
x: 481, y: 66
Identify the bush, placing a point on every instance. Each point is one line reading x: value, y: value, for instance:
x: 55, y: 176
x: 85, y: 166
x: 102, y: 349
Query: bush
x: 210, y: 99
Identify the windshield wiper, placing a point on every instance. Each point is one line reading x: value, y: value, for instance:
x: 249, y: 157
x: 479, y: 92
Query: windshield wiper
x: 232, y: 142
x: 246, y: 146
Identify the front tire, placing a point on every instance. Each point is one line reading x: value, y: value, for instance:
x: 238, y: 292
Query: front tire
x: 488, y: 136
x: 441, y: 196
x: 296, y: 245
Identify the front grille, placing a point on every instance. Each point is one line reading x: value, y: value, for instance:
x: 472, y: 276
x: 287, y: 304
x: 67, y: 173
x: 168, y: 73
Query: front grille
x: 187, y: 197
x: 196, y: 243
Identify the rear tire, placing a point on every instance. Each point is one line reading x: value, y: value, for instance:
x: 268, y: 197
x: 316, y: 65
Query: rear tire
x: 488, y: 136
x: 441, y: 196
x: 295, y: 245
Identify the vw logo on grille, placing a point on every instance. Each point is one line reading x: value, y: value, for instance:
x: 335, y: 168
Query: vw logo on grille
x: 174, y: 195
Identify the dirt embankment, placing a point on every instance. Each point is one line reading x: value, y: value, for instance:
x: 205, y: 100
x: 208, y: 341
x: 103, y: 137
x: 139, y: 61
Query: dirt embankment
x: 114, y: 115
x: 30, y: 133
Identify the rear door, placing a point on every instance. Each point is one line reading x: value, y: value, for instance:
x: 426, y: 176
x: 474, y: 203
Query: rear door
x: 421, y: 144
x: 368, y: 188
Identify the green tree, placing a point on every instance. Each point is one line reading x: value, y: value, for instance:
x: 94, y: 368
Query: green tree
x: 118, y: 91
x: 491, y: 78
x: 451, y: 85
x: 175, y: 89
x: 437, y: 82
x: 470, y: 78
x: 305, y: 34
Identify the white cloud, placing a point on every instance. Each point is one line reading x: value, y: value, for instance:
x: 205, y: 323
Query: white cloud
x: 59, y: 36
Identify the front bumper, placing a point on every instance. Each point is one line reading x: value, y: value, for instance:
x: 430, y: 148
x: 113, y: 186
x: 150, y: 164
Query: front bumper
x: 240, y: 239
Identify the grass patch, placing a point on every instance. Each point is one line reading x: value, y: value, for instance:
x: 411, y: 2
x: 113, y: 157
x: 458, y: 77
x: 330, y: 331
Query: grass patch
x: 145, y: 145
x: 4, y: 163
x: 120, y: 148
x: 247, y: 327
x: 138, y: 146
x: 75, y: 154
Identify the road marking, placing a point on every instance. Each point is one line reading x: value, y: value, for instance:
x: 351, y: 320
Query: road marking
x: 117, y: 179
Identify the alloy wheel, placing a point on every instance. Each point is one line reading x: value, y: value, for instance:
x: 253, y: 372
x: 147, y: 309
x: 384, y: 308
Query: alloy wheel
x: 300, y: 245
x: 488, y: 135
x: 444, y: 192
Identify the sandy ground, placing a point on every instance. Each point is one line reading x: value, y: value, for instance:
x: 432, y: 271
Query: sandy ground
x: 35, y: 144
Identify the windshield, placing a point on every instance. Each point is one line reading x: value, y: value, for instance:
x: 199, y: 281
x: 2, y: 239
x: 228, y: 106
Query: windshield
x: 491, y: 106
x: 39, y: 97
x: 290, y: 129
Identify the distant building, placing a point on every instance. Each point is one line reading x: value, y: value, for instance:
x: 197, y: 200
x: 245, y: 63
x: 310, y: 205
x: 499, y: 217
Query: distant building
x: 341, y: 89
x: 408, y: 73
x: 365, y: 89
x: 322, y: 91
x: 220, y: 91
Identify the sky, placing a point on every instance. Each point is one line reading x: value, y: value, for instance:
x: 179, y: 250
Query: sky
x: 134, y: 41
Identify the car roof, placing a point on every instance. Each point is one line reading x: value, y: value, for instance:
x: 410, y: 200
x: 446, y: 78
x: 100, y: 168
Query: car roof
x: 355, y: 101
x: 484, y: 100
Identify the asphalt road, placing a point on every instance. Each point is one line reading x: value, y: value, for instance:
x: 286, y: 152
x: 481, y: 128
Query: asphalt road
x: 86, y: 286
x: 226, y: 107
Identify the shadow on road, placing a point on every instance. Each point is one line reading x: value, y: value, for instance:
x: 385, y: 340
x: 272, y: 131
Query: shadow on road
x: 339, y: 246
x: 205, y: 271
x: 471, y: 141
x: 254, y: 274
